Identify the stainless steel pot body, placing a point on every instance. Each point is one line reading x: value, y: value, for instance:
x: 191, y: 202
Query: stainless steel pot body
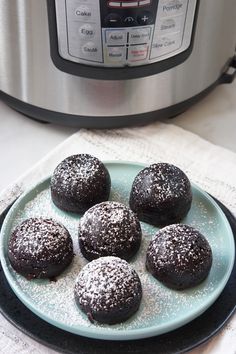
x: 28, y: 73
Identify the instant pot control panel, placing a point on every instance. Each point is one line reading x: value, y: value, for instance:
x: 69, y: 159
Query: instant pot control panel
x: 119, y: 33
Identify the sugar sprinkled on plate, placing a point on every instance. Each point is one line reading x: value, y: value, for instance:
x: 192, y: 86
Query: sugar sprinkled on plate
x: 159, y: 304
x: 56, y: 298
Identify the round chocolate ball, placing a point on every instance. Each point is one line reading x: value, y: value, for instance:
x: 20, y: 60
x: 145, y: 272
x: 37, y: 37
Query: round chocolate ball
x: 108, y: 290
x: 179, y: 256
x: 109, y: 229
x: 161, y: 194
x: 79, y: 182
x: 40, y: 248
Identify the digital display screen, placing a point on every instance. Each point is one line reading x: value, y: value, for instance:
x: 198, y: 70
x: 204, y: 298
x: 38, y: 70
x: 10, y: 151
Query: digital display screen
x: 127, y: 4
x: 128, y: 13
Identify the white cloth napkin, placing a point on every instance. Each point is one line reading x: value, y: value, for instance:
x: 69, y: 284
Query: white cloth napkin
x: 211, y: 167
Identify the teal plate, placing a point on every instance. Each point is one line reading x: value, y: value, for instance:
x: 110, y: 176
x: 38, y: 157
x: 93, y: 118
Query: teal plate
x: 162, y: 310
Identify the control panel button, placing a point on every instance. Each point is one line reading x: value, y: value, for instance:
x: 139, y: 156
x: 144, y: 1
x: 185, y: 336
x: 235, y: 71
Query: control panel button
x: 84, y: 13
x: 137, y: 52
x: 172, y: 7
x: 90, y: 49
x: 87, y: 31
x: 113, y: 20
x: 141, y: 35
x: 116, y: 54
x: 171, y: 25
x: 116, y: 37
x: 145, y: 18
x: 129, y: 21
x: 129, y: 4
x: 165, y: 45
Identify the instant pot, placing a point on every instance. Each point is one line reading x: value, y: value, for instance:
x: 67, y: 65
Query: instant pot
x: 109, y: 63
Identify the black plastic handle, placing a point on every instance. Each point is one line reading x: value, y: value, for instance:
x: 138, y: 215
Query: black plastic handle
x: 229, y: 76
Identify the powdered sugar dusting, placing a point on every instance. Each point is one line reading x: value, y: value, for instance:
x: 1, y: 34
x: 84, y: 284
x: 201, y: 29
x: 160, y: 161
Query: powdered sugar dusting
x: 74, y: 170
x: 177, y: 246
x: 159, y: 305
x: 107, y: 283
x: 109, y: 228
x: 162, y: 181
x: 180, y: 256
x: 79, y: 182
x: 38, y: 238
